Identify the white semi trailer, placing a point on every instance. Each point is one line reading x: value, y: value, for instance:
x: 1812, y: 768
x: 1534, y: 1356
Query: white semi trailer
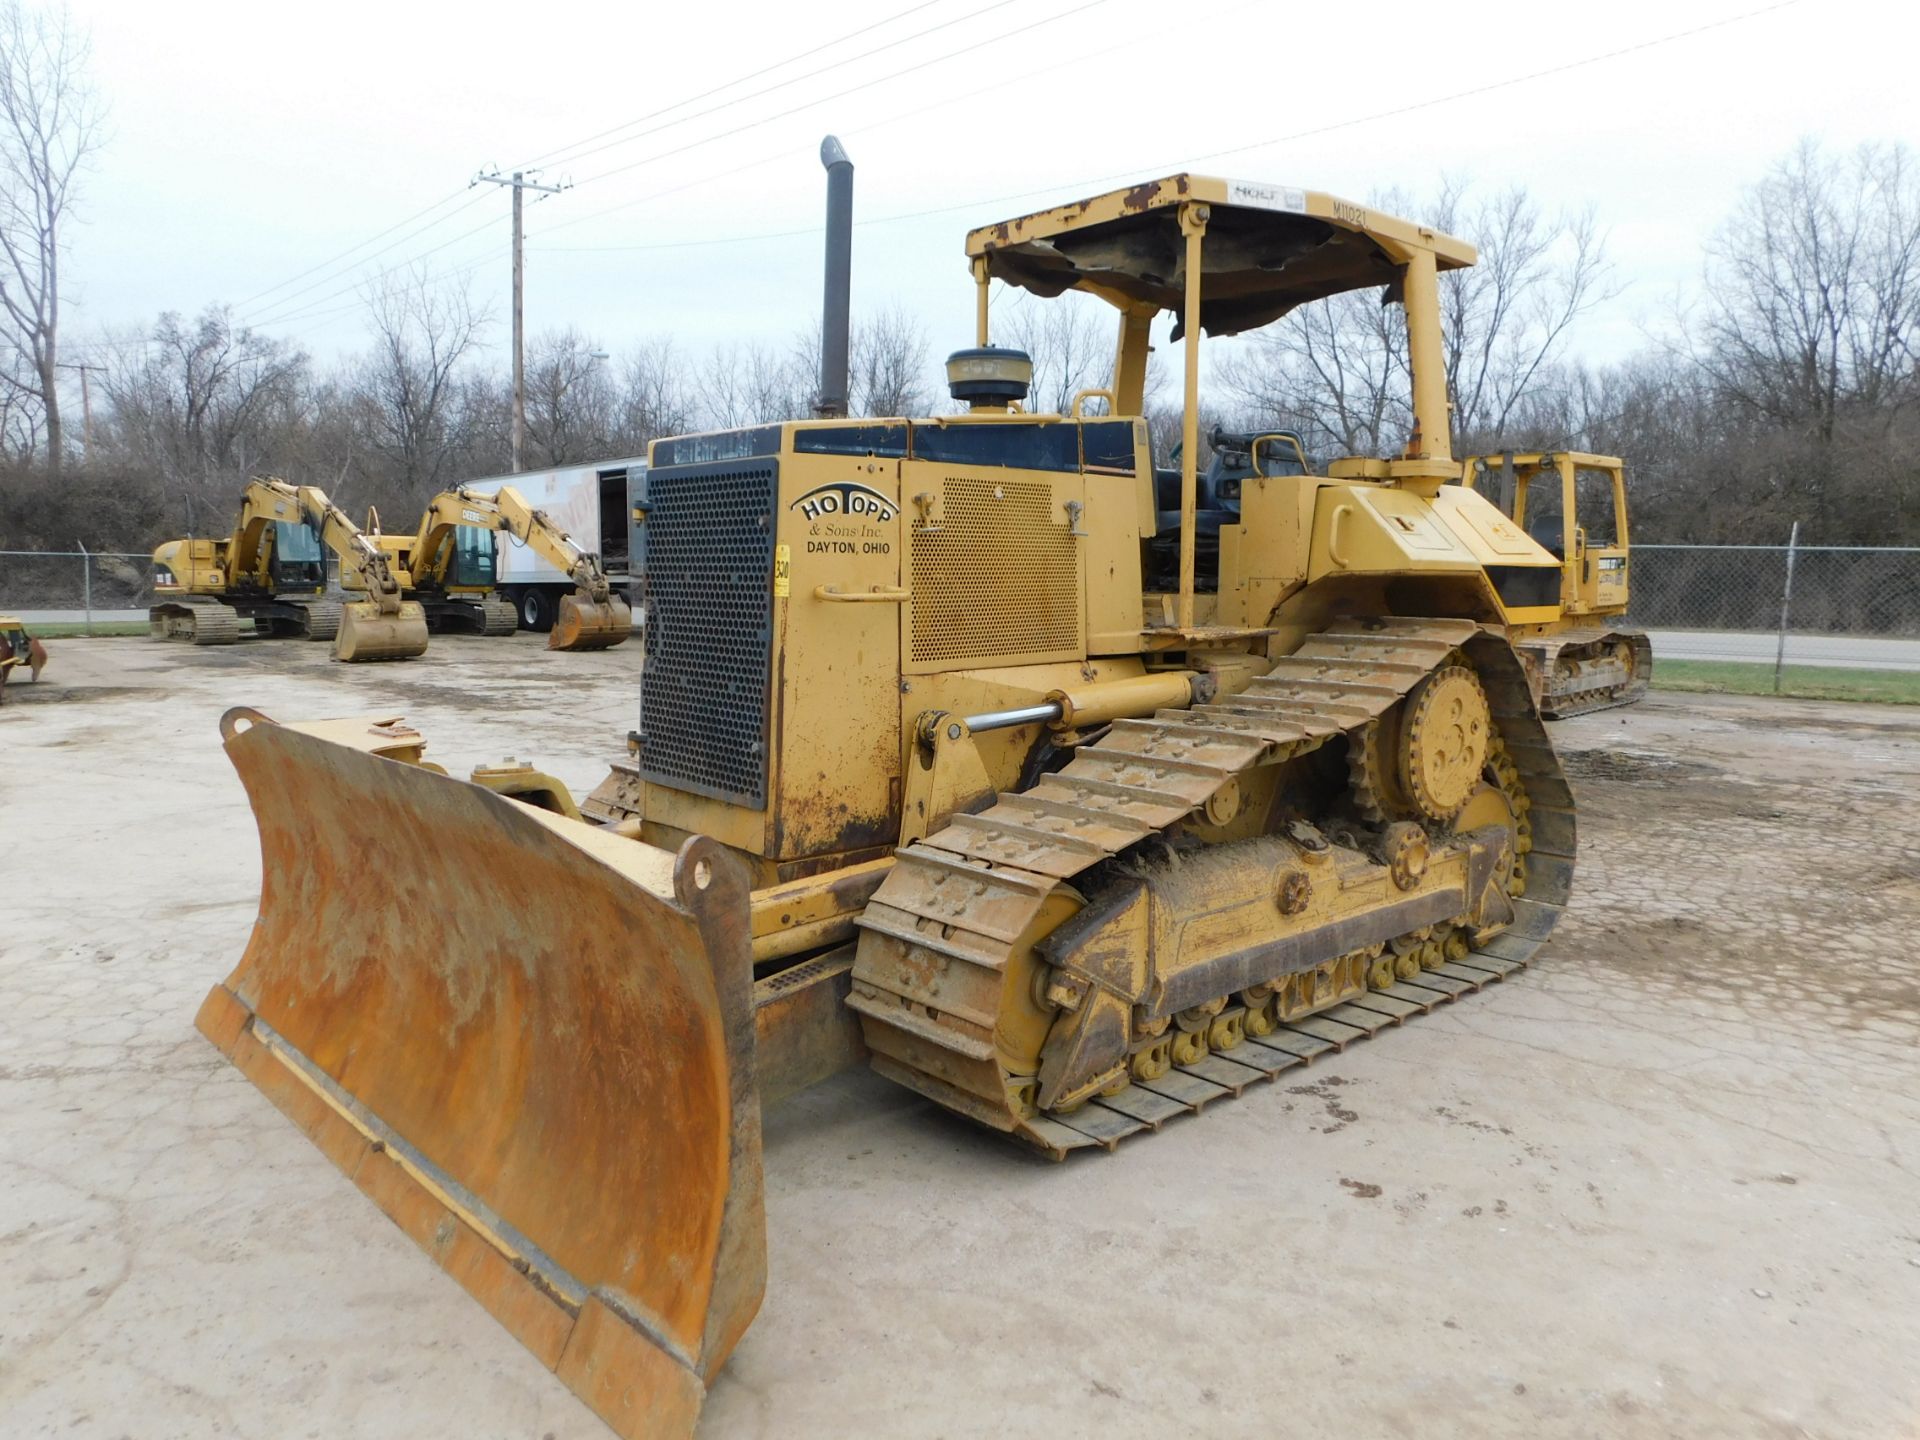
x: 594, y: 504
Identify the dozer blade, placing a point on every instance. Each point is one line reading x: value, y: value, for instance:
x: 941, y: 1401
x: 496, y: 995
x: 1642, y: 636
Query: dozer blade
x: 366, y: 634
x: 584, y: 624
x: 528, y: 1041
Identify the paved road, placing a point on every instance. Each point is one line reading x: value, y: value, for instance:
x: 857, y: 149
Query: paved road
x: 75, y: 617
x: 1842, y: 650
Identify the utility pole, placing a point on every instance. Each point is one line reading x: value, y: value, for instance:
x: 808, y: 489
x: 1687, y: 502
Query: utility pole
x: 86, y: 404
x: 520, y: 183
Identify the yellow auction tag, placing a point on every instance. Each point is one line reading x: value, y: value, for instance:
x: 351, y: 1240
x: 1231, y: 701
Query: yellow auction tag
x: 782, y: 571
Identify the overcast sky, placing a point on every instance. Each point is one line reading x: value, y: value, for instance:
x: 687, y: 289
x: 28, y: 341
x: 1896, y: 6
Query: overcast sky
x: 251, y: 142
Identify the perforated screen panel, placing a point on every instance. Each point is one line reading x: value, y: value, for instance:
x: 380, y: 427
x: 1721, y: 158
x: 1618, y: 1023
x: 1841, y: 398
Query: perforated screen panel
x: 998, y: 578
x: 708, y: 568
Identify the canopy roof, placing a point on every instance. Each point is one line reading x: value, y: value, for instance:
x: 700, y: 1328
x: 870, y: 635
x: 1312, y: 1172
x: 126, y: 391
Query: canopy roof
x: 1268, y: 248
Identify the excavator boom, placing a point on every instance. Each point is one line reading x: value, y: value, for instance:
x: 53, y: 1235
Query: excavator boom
x: 383, y: 626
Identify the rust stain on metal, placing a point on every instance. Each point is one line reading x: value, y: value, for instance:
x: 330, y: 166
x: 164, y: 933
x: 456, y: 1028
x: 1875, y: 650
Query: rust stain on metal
x: 594, y: 1104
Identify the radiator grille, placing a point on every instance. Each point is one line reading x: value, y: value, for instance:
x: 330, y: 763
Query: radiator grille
x: 708, y: 581
x: 999, y: 577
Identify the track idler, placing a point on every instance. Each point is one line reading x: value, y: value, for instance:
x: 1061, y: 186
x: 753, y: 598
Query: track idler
x: 587, y: 624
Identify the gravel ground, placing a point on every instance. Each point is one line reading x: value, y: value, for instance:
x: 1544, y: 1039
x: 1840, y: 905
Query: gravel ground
x: 1662, y: 1185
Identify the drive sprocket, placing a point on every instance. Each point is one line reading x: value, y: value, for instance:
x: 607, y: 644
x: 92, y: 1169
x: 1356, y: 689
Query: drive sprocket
x: 1443, y: 741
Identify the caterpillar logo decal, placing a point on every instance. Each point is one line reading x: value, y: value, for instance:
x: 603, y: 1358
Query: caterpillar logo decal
x: 846, y: 497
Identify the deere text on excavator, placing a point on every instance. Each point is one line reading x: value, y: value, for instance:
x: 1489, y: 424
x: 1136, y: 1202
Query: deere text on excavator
x: 927, y: 775
x: 272, y: 571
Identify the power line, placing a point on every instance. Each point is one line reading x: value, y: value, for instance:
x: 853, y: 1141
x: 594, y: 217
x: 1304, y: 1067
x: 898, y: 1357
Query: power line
x: 1077, y: 61
x: 300, y: 311
x: 1173, y: 167
x: 446, y: 200
x: 286, y: 315
x: 265, y: 311
x: 797, y: 79
x: 563, y: 152
x: 811, y: 104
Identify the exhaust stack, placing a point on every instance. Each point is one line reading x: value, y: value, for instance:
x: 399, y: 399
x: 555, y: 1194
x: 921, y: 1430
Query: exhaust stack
x: 835, y: 318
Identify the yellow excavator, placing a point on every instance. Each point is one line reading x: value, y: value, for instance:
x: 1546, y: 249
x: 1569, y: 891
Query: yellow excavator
x: 448, y: 567
x: 272, y: 571
x: 927, y: 776
x: 1575, y: 505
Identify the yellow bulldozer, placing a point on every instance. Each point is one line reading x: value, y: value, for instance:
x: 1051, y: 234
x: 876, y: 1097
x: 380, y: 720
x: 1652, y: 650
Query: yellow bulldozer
x: 272, y: 571
x: 927, y: 777
x: 1575, y: 506
x: 17, y: 648
x: 447, y: 566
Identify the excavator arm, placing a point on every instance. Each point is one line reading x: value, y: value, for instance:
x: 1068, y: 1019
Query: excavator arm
x: 383, y: 626
x: 592, y: 618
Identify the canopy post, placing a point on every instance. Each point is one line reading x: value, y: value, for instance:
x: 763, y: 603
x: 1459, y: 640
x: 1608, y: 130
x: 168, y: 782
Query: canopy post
x: 1193, y: 225
x: 1130, y: 358
x: 981, y: 283
x: 1431, y: 443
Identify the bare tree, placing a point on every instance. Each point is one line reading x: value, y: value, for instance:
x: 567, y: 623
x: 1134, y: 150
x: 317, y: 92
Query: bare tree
x: 889, y: 363
x: 21, y: 415
x: 49, y: 126
x: 656, y: 396
x: 1812, y: 289
x: 409, y: 388
x: 205, y: 402
x: 1338, y: 371
x: 1071, y: 341
x: 571, y: 405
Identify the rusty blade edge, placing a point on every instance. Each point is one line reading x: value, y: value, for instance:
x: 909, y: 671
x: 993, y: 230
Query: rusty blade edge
x: 516, y: 1248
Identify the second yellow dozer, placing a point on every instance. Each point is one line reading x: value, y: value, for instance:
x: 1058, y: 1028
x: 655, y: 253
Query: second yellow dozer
x: 1575, y: 505
x: 926, y: 778
x: 448, y: 567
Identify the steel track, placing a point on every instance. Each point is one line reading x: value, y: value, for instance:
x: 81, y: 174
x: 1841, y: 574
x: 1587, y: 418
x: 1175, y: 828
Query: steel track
x: 940, y: 932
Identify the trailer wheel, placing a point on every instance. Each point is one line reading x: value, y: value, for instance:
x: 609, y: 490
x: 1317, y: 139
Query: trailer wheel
x: 536, y: 609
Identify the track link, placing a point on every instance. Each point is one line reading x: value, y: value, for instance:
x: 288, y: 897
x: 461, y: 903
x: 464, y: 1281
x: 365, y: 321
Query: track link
x: 941, y: 930
x: 198, y: 623
x: 323, y: 618
x: 498, y: 616
x: 1596, y: 683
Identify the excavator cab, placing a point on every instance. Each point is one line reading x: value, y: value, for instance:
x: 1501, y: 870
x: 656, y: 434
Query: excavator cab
x: 296, y: 558
x: 472, y: 566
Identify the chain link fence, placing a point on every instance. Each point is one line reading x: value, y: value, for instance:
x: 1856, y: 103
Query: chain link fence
x: 1849, y: 605
x: 75, y: 586
x: 85, y: 587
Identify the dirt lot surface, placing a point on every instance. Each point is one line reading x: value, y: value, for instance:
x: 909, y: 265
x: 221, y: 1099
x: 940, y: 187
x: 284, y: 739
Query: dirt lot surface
x: 1668, y: 1183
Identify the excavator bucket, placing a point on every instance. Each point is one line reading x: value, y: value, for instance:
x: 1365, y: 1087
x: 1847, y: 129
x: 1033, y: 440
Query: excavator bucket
x: 529, y: 1041
x: 584, y: 624
x: 366, y: 634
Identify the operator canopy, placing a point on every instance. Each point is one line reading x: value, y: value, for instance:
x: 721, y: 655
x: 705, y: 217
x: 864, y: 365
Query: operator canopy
x: 1267, y: 249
